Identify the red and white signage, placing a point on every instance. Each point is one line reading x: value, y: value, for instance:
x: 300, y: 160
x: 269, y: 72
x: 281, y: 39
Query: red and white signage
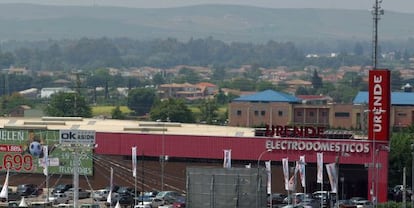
x: 379, y: 104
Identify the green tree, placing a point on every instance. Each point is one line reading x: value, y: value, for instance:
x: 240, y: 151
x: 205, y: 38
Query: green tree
x: 400, y: 154
x: 10, y: 102
x: 116, y: 113
x: 140, y: 100
x: 265, y: 85
x: 316, y: 80
x: 174, y: 110
x: 208, y: 111
x: 68, y: 105
x: 396, y: 80
x: 158, y: 79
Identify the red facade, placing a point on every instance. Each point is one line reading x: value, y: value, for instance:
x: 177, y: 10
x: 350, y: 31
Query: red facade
x: 243, y: 148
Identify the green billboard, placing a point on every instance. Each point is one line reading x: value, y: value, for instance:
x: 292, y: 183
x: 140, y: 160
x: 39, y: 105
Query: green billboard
x: 22, y: 150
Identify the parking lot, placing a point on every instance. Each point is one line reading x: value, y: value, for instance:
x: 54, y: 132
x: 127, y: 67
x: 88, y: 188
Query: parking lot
x: 43, y: 196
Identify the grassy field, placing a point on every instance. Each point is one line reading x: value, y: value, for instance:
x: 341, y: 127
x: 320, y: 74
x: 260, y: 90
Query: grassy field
x: 106, y: 110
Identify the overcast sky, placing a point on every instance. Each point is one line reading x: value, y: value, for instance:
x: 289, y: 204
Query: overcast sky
x: 390, y: 5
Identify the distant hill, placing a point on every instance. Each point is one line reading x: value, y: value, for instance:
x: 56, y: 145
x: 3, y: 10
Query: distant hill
x: 223, y: 22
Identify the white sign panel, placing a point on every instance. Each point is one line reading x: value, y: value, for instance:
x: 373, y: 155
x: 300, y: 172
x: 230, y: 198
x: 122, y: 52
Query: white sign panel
x: 53, y: 161
x: 72, y: 136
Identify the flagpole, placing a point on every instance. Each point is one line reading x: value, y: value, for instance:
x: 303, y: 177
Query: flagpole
x: 134, y: 171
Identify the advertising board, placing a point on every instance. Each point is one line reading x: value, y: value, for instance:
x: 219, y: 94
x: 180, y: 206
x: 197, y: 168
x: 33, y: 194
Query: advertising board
x: 379, y: 105
x: 21, y: 151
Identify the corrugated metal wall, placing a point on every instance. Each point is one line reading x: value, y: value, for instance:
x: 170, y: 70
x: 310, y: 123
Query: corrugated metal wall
x: 226, y: 187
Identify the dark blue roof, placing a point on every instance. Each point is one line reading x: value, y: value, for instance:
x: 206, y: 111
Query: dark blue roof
x: 268, y: 96
x: 397, y: 98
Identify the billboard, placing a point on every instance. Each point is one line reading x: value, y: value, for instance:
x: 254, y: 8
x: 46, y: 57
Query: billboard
x: 379, y: 105
x: 22, y: 151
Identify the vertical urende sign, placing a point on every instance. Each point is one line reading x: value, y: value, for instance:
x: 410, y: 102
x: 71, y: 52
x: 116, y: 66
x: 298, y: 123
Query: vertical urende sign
x: 379, y: 104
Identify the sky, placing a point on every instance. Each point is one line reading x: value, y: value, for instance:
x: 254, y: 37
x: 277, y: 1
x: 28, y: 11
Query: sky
x: 388, y: 5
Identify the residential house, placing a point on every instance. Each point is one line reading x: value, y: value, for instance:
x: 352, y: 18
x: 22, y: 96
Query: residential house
x: 186, y: 91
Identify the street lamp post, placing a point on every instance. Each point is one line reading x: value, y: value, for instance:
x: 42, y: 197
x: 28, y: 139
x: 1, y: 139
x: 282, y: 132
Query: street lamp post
x: 412, y: 174
x: 342, y: 182
x: 258, y: 177
x: 337, y: 160
x: 377, y: 167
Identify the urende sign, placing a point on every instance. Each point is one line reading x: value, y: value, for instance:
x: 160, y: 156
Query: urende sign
x: 379, y: 96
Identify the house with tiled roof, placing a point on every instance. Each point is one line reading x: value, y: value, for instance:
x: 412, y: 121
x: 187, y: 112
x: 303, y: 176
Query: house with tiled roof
x: 208, y: 88
x: 186, y: 91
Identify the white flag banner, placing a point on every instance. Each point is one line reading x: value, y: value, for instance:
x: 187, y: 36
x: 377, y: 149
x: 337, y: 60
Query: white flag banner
x: 302, y: 170
x: 332, y: 175
x: 5, y: 190
x: 134, y: 161
x: 319, y: 176
x: 227, y: 159
x: 292, y: 180
x: 45, y: 160
x: 109, y: 198
x: 269, y: 176
x: 248, y: 165
x: 285, y: 164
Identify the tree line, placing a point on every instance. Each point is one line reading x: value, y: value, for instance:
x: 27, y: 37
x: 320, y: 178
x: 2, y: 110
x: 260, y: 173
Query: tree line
x: 88, y: 53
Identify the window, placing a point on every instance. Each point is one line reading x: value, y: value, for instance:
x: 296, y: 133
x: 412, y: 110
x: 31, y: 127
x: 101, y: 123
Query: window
x: 263, y: 113
x: 341, y: 114
x: 280, y: 113
x: 323, y: 114
x: 402, y: 114
x: 311, y: 114
x: 256, y: 113
x: 299, y: 113
x: 239, y: 112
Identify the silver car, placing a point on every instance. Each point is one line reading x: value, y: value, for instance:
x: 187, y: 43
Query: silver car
x: 164, y: 198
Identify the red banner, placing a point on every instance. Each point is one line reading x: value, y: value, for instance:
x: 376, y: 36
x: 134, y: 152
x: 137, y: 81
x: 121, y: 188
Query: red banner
x: 379, y: 105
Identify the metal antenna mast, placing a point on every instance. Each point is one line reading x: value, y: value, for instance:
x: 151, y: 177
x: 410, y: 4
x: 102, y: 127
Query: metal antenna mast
x: 376, y: 13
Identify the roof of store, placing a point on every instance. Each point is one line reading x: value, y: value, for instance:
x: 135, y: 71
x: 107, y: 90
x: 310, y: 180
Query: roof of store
x: 268, y: 96
x: 397, y: 98
x: 122, y: 126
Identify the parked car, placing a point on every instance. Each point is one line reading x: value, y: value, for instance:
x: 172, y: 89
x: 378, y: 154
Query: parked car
x: 89, y: 206
x: 126, y: 200
x: 28, y: 190
x: 144, y: 200
x: 179, y: 202
x: 364, y: 204
x: 82, y: 193
x: 297, y: 198
x: 123, y: 190
x: 164, y: 198
x: 41, y: 204
x: 12, y: 196
x: 59, y: 198
x: 100, y: 195
x: 277, y: 199
x: 62, y: 188
x: 114, y: 188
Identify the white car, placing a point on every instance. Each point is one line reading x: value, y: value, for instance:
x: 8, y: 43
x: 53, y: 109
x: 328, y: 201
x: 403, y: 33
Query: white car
x: 100, y: 195
x: 59, y: 198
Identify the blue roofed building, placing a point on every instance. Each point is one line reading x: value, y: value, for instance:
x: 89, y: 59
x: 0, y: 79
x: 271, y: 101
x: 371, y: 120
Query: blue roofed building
x: 402, y: 107
x: 270, y: 107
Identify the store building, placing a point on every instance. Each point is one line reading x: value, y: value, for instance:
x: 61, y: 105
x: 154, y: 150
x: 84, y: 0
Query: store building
x: 188, y: 145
